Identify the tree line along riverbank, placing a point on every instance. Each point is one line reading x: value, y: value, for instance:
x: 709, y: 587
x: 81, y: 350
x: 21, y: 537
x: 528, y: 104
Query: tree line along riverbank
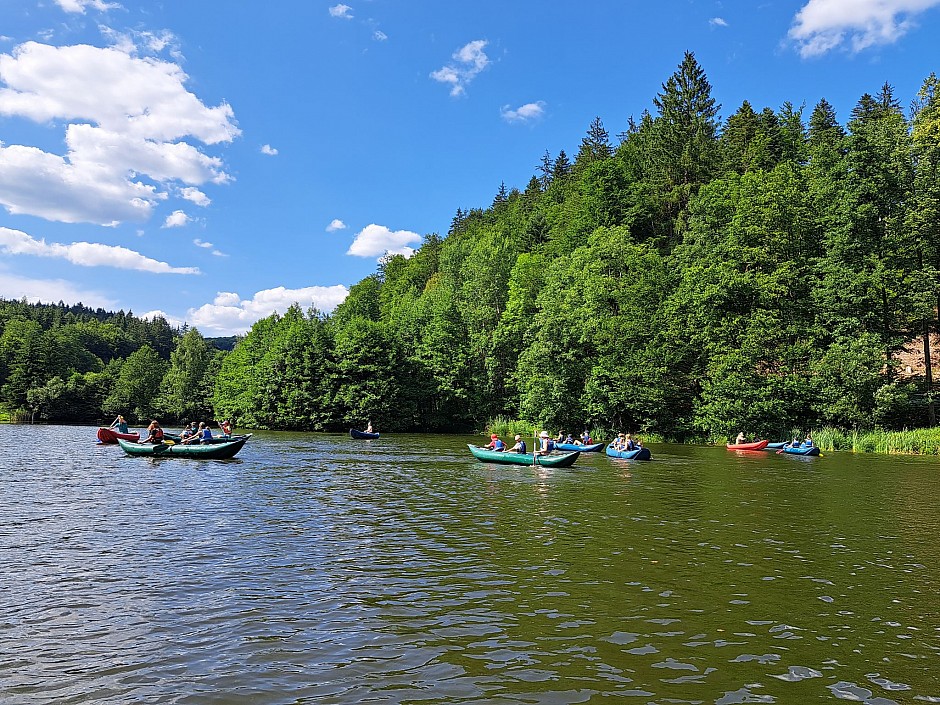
x: 690, y: 277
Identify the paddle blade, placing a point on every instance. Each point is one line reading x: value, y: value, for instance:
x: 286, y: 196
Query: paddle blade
x: 160, y: 447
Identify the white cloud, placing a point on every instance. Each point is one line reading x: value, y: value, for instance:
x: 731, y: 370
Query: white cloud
x: 78, y: 6
x: 335, y: 224
x: 823, y: 25
x: 228, y: 314
x: 468, y: 62
x: 200, y: 243
x: 150, y: 315
x: 377, y: 240
x: 341, y: 11
x: 379, y: 36
x: 51, y: 291
x: 718, y: 22
x: 135, y: 41
x: 130, y: 114
x: 176, y: 219
x: 194, y: 195
x: 85, y: 254
x: 219, y: 253
x: 268, y: 149
x: 524, y: 113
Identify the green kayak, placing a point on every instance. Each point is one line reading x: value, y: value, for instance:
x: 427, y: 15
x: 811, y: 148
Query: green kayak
x: 217, y: 450
x: 508, y: 457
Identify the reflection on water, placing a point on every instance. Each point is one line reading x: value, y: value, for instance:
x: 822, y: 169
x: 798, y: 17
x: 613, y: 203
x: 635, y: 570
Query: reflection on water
x: 313, y: 568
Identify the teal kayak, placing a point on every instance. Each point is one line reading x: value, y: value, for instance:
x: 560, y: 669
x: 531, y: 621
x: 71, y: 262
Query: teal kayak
x: 508, y: 457
x: 219, y: 449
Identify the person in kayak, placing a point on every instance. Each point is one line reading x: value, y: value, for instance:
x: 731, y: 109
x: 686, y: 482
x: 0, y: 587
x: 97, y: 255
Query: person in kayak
x: 586, y: 438
x: 120, y: 424
x: 495, y: 444
x: 740, y: 438
x: 545, y: 444
x: 154, y: 433
x: 520, y: 445
x: 809, y: 440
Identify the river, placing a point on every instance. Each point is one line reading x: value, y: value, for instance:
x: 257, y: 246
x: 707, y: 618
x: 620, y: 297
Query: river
x: 316, y: 569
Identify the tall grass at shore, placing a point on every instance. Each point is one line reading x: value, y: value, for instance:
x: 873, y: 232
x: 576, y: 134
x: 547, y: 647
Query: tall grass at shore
x: 918, y: 441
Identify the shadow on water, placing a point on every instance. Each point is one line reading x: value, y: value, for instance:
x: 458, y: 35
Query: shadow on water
x: 315, y: 568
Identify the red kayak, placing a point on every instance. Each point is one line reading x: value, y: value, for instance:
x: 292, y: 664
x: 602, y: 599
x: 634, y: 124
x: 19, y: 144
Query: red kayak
x: 109, y: 435
x: 756, y: 445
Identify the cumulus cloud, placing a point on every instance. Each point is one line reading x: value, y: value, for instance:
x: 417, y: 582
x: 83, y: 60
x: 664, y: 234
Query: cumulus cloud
x: 85, y: 254
x: 268, y: 149
x: 78, y: 6
x: 341, y: 11
x: 823, y: 25
x: 200, y: 243
x: 335, y: 224
x: 176, y: 219
x: 127, y: 142
x: 379, y: 36
x: 51, y: 290
x: 229, y: 314
x: 157, y: 313
x: 468, y: 62
x: 377, y: 240
x: 524, y: 113
x: 194, y: 195
x: 718, y: 22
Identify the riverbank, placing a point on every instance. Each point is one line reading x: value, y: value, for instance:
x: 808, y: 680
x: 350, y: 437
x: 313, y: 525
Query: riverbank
x: 918, y: 441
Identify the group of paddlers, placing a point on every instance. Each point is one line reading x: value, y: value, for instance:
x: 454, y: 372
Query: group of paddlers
x: 544, y: 442
x: 192, y: 432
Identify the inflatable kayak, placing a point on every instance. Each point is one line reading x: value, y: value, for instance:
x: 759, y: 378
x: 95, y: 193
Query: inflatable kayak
x: 756, y: 445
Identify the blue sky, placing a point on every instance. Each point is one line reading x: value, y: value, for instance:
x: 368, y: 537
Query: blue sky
x: 215, y: 161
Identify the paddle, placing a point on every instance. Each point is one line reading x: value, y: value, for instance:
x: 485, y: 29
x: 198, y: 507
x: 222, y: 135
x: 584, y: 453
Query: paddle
x: 160, y: 448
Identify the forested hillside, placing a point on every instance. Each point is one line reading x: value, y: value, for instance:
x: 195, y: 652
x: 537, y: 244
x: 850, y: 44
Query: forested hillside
x: 65, y: 363
x: 692, y: 276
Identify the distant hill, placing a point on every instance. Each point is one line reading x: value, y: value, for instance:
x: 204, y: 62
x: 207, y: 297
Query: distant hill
x: 226, y: 343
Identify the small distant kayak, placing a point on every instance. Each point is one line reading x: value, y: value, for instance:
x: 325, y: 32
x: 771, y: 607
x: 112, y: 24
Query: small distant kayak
x: 638, y: 454
x: 757, y: 445
x: 353, y: 433
x: 592, y: 448
x: 219, y: 449
x: 801, y: 450
x: 109, y: 435
x: 508, y: 457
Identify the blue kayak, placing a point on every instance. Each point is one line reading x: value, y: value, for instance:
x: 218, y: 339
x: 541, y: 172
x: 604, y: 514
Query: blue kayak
x: 638, y: 454
x: 775, y: 446
x: 801, y: 450
x: 593, y: 448
x: 355, y: 433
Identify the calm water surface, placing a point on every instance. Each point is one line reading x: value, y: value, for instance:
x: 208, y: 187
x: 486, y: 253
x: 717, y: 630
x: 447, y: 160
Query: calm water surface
x: 316, y: 569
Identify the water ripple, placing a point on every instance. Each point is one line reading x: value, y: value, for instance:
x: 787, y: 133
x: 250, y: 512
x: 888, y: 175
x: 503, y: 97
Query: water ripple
x: 314, y: 569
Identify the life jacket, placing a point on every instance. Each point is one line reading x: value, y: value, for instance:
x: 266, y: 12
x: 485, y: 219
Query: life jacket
x: 158, y: 434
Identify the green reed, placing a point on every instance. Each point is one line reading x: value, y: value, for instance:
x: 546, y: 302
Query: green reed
x: 917, y: 441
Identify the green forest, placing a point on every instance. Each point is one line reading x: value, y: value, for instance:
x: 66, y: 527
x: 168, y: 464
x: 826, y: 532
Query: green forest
x: 689, y: 277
